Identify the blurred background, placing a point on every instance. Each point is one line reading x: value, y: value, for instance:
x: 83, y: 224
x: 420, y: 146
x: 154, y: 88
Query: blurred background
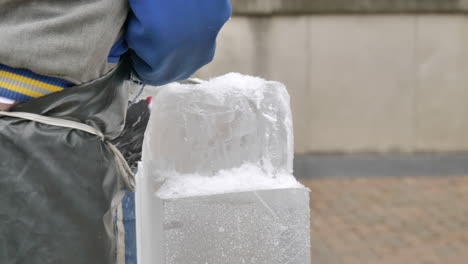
x: 380, y: 103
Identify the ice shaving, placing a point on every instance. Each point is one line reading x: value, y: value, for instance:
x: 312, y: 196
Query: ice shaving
x: 248, y: 177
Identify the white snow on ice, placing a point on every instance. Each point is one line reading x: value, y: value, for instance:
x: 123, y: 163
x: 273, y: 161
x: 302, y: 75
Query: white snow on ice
x: 248, y: 177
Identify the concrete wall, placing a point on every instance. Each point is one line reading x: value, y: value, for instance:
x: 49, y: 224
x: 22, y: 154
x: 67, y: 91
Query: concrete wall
x: 360, y: 83
x: 263, y: 7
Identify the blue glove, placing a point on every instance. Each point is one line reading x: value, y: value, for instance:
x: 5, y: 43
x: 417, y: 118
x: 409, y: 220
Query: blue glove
x: 170, y: 39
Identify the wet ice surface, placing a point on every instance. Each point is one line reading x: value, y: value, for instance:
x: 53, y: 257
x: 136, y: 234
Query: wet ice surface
x: 220, y: 124
x: 215, y: 184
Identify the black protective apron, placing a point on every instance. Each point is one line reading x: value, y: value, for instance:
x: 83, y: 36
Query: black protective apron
x: 58, y: 185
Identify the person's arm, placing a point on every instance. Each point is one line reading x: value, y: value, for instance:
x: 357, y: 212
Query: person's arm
x: 170, y: 39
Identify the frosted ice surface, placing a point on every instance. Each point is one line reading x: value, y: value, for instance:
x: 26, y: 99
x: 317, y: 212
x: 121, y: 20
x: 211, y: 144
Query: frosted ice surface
x: 215, y: 184
x: 220, y: 124
x: 256, y: 227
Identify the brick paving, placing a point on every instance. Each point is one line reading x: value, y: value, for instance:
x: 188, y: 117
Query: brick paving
x: 389, y: 220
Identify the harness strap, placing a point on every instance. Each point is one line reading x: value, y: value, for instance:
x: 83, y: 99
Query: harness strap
x: 125, y: 170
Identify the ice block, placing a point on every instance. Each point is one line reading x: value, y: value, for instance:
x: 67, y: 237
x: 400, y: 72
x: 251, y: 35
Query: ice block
x: 215, y: 184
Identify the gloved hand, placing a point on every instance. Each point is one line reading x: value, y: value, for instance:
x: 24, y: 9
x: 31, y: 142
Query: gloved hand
x: 6, y: 104
x: 171, y: 39
x: 4, y: 107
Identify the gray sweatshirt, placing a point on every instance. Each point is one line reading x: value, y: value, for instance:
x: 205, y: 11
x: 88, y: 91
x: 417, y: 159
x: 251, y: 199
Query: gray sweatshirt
x: 70, y: 40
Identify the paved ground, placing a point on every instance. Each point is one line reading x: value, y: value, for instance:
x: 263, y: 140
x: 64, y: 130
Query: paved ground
x: 373, y: 165
x: 397, y: 220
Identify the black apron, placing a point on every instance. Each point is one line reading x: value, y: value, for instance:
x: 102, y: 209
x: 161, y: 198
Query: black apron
x: 58, y: 186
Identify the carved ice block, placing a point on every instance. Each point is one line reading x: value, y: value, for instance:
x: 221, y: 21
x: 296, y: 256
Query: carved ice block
x: 215, y: 184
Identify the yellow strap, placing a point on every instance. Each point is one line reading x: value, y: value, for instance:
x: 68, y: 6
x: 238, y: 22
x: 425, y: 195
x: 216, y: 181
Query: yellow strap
x: 16, y: 77
x: 20, y: 89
